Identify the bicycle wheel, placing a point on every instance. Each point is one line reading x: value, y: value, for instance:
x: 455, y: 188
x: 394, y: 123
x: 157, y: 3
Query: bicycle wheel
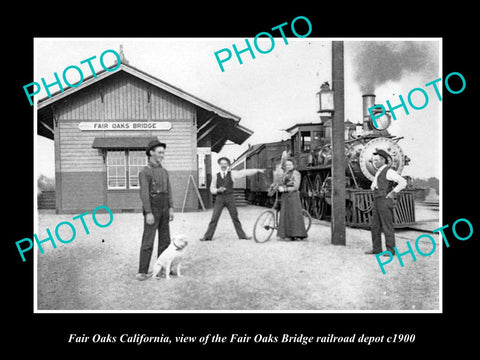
x: 307, y: 219
x: 264, y: 226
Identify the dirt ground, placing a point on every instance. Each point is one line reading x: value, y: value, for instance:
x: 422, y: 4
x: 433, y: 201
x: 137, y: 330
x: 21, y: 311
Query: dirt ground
x: 97, y: 271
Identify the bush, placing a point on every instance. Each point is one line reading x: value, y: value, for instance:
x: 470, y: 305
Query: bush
x: 45, y: 183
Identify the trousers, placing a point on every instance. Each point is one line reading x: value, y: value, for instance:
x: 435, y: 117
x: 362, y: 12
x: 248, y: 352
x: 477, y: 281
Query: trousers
x: 161, y: 214
x: 382, y: 220
x: 221, y: 201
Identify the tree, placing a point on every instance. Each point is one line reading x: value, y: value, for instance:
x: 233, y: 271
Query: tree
x: 426, y: 184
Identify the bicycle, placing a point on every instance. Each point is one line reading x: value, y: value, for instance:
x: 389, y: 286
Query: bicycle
x: 268, y: 221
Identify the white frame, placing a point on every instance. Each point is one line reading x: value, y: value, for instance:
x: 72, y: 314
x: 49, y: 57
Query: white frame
x: 125, y: 165
x: 128, y: 151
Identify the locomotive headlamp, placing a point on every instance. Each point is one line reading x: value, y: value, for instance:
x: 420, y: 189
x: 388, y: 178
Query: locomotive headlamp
x: 372, y: 111
x: 382, y: 122
x: 326, y: 98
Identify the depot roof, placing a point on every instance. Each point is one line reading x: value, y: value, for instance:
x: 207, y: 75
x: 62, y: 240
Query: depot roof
x: 231, y: 129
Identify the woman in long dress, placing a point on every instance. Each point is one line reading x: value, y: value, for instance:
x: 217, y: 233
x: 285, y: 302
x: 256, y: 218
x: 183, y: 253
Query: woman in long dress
x: 291, y: 223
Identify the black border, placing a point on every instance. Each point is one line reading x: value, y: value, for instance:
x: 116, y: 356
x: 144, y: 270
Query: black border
x: 434, y: 332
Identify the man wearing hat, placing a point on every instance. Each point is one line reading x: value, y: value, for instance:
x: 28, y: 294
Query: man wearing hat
x: 384, y: 198
x: 222, y: 186
x: 156, y: 196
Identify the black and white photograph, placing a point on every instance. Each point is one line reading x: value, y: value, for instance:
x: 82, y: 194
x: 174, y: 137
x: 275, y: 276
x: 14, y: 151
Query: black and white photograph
x: 239, y: 175
x: 193, y: 181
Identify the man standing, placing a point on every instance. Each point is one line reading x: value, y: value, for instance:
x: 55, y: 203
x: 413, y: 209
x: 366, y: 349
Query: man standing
x: 222, y: 186
x: 156, y: 196
x: 384, y: 198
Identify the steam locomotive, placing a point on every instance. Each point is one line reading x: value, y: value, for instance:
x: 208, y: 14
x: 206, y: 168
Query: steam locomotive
x: 310, y: 145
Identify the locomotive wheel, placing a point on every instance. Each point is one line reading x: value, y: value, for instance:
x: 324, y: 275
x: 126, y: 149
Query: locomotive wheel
x: 319, y: 204
x: 306, y: 194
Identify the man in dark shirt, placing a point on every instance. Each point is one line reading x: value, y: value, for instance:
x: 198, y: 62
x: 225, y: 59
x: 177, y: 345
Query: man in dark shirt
x: 156, y: 196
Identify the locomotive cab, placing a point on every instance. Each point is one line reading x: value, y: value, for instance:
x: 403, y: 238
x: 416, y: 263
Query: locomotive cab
x: 306, y: 139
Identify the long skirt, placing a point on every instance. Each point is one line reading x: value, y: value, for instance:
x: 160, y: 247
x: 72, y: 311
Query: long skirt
x: 291, y: 223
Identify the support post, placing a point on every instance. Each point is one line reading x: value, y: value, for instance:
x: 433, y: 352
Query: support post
x: 338, y: 145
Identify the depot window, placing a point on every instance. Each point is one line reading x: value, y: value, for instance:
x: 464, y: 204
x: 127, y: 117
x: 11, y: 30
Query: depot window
x: 123, y: 167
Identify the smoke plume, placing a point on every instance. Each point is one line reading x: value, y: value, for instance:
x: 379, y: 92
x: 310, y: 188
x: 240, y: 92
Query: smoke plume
x: 377, y: 62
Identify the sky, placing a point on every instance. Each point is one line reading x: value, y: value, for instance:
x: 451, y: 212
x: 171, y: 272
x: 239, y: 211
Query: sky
x: 275, y: 90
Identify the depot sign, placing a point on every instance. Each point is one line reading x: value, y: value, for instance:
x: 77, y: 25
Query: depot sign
x: 125, y: 125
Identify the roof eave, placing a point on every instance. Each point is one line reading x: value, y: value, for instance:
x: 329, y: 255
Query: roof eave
x: 44, y: 102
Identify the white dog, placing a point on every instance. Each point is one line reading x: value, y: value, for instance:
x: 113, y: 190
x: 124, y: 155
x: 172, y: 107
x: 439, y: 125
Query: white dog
x: 170, y: 257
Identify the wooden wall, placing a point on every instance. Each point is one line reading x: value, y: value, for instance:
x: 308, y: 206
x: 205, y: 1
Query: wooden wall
x: 125, y: 98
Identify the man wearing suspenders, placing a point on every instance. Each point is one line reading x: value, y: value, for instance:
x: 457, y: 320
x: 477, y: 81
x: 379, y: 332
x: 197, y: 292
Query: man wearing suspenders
x: 384, y: 198
x: 156, y: 196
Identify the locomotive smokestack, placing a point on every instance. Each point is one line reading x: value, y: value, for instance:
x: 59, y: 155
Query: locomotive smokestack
x: 368, y: 102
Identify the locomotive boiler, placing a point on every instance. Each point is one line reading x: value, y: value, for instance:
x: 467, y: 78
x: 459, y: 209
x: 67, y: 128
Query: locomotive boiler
x: 310, y: 145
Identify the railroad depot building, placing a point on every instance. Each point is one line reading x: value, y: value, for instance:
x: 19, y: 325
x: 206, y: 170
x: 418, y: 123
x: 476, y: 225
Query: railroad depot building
x: 102, y: 127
